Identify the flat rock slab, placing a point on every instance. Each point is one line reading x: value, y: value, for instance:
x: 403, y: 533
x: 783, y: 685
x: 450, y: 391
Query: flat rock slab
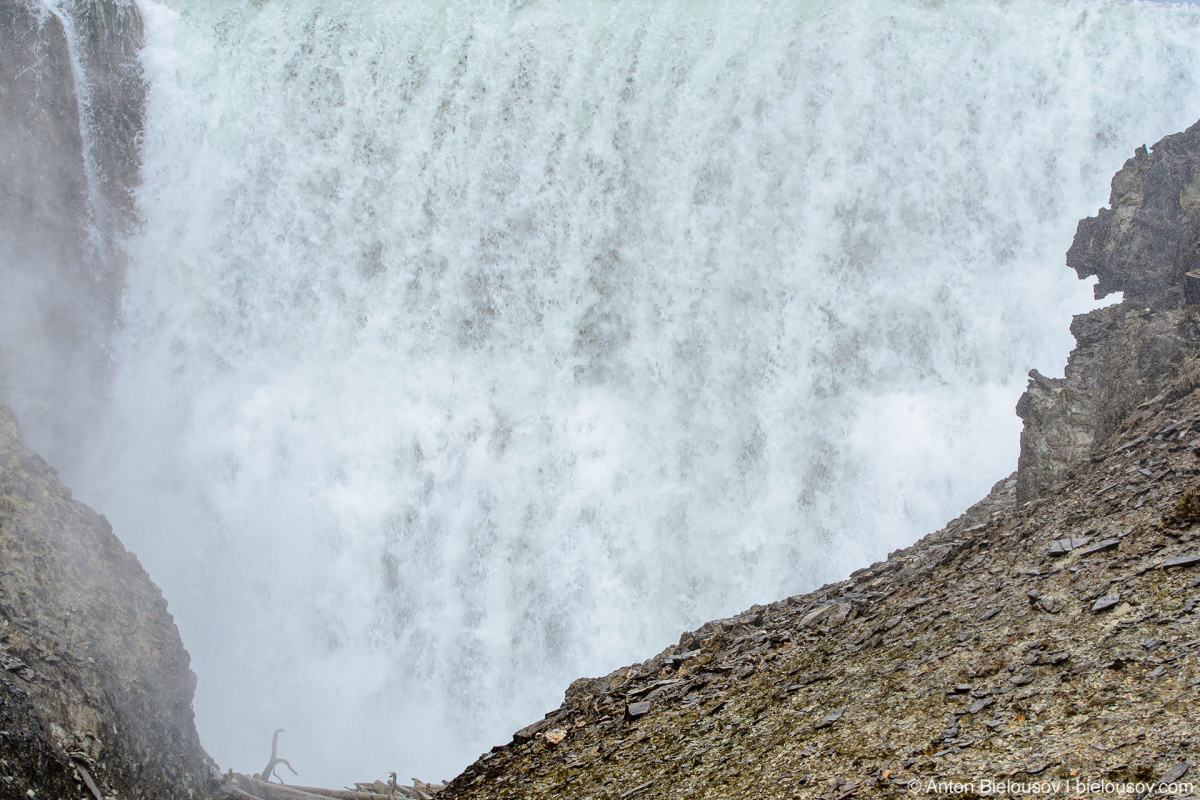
x: 529, y: 731
x: 637, y: 790
x: 637, y: 710
x: 830, y: 718
x: 1061, y: 547
x: 1185, y: 560
x: 980, y: 705
x: 1175, y: 773
x: 1106, y: 602
x: 1099, y: 547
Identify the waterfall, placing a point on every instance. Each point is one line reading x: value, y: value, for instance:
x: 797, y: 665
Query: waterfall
x: 467, y: 348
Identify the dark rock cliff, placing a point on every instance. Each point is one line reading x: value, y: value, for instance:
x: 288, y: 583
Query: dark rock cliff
x: 1127, y: 354
x: 72, y: 99
x: 95, y: 683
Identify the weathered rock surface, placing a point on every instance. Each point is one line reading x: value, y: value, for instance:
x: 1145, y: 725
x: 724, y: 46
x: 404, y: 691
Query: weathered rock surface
x: 1048, y: 634
x: 72, y: 99
x: 1125, y: 354
x: 1150, y: 236
x: 95, y: 684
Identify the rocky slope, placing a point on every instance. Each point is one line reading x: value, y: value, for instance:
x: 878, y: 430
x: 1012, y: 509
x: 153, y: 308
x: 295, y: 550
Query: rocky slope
x: 95, y: 685
x: 1048, y: 636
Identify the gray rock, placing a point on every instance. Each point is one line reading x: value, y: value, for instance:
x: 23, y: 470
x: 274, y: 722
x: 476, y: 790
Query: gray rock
x: 1185, y: 560
x: 1055, y: 658
x: 830, y: 616
x: 62, y: 218
x: 1106, y: 602
x: 637, y: 710
x: 1099, y: 547
x: 1175, y: 773
x: 637, y: 790
x: 676, y: 660
x: 529, y: 731
x: 830, y: 718
x: 1061, y: 547
x: 1050, y: 604
x: 68, y: 581
x: 980, y: 705
x: 1141, y: 246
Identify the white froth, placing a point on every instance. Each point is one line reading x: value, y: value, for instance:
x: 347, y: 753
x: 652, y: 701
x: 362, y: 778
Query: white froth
x: 473, y: 347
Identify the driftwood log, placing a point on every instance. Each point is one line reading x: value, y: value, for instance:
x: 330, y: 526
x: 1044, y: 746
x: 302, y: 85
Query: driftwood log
x: 275, y: 761
x: 259, y: 787
x: 255, y: 789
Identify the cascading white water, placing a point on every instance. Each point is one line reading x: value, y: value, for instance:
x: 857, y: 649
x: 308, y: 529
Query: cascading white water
x: 471, y: 347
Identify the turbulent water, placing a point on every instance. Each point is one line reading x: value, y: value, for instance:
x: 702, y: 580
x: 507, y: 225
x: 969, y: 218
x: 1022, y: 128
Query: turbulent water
x: 471, y: 347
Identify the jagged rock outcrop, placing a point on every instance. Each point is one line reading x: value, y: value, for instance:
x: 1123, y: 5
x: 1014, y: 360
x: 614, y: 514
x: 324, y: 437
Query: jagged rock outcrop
x: 1150, y: 236
x: 1125, y: 355
x: 95, y: 683
x: 72, y: 99
x: 1046, y: 642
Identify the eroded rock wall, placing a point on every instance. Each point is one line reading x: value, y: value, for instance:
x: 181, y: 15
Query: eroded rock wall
x: 95, y: 677
x: 1129, y: 354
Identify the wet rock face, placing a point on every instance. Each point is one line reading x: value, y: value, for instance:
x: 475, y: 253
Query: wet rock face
x: 110, y: 38
x: 94, y: 681
x: 66, y: 199
x: 43, y: 189
x: 1129, y: 354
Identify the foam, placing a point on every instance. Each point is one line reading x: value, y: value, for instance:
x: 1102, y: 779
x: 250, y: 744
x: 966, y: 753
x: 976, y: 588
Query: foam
x: 471, y: 348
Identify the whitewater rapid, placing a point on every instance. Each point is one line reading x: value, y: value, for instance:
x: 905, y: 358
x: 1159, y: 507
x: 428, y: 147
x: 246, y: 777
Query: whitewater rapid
x: 471, y: 347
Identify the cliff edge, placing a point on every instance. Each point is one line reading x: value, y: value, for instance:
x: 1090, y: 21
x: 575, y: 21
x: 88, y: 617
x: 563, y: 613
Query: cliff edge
x: 1127, y: 354
x: 1045, y: 642
x: 95, y: 686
